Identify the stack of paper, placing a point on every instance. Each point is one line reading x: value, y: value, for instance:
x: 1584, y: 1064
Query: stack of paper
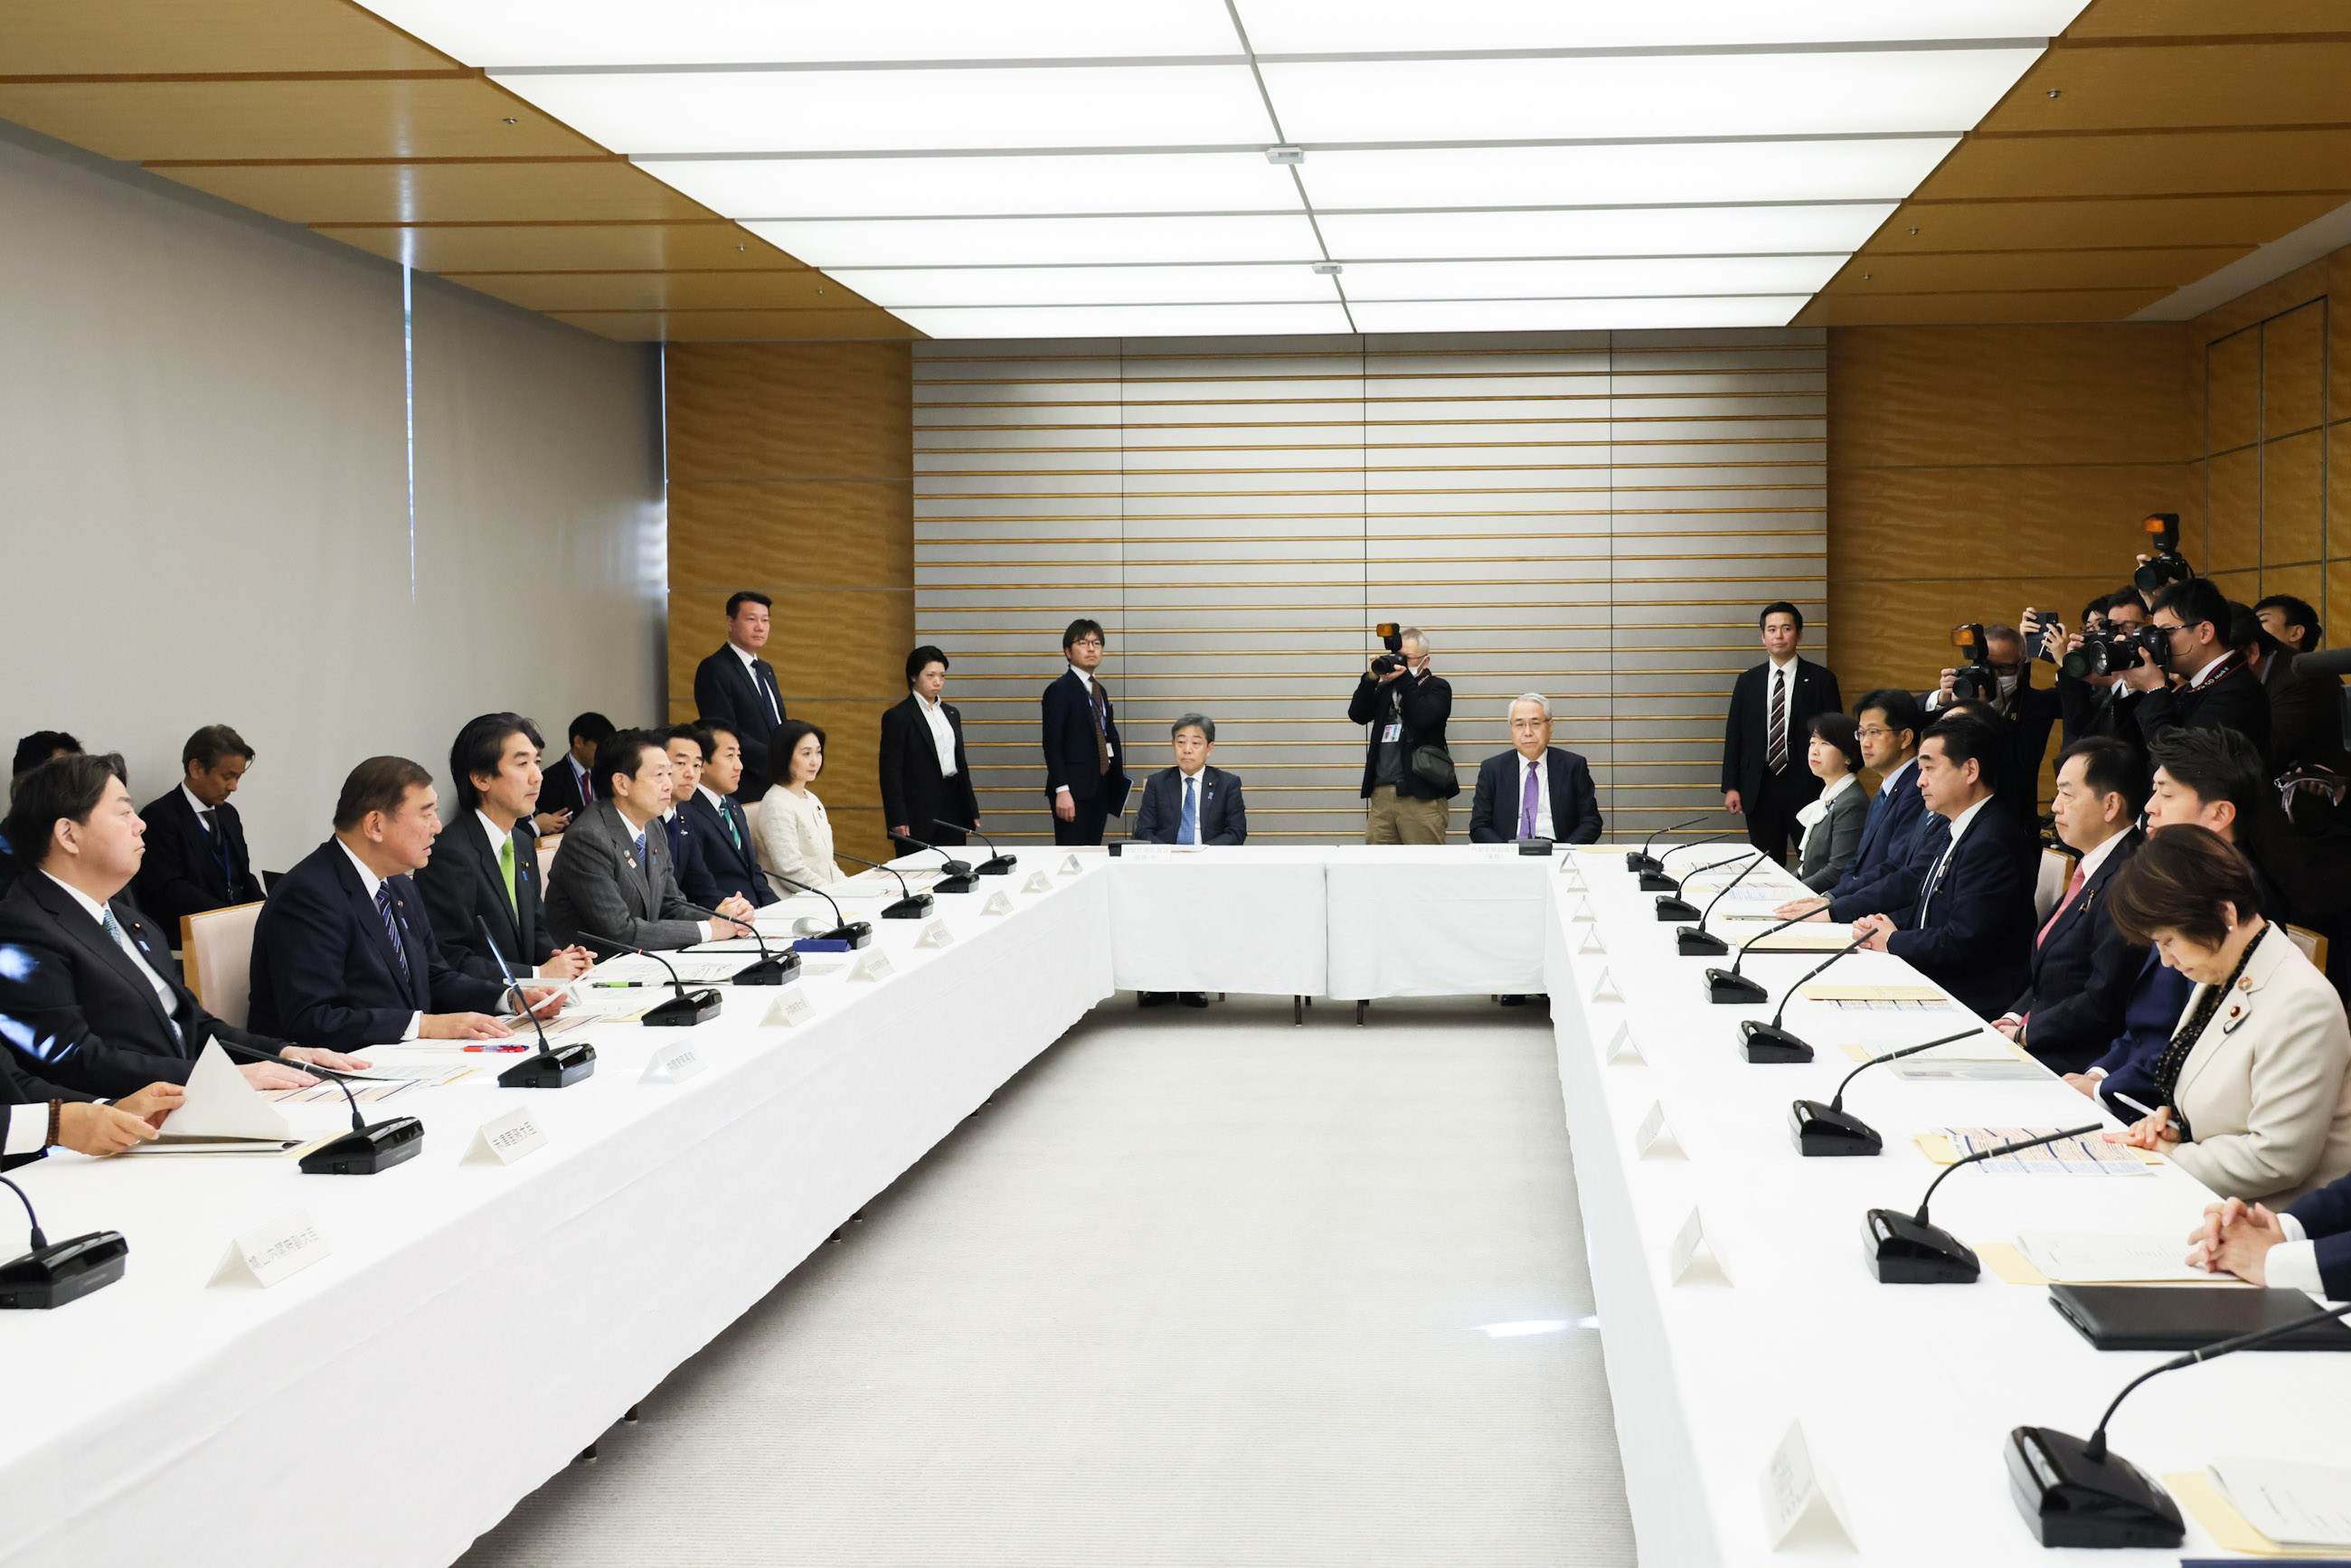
x: 2292, y: 1504
x: 2101, y: 1257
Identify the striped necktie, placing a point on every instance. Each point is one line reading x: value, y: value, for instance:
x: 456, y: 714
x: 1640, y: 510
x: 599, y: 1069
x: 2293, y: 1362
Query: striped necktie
x: 391, y: 935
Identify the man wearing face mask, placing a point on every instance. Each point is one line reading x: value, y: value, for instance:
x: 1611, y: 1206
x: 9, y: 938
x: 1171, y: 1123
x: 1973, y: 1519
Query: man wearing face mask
x: 2027, y: 712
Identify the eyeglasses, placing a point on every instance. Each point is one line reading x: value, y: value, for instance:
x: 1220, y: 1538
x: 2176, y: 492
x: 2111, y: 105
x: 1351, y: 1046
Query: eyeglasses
x: 1087, y: 642
x: 1871, y: 732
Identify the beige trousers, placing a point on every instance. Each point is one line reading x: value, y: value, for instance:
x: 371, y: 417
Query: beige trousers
x: 1400, y: 820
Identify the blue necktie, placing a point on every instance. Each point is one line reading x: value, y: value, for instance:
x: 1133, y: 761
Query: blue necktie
x: 1187, y: 831
x: 392, y: 933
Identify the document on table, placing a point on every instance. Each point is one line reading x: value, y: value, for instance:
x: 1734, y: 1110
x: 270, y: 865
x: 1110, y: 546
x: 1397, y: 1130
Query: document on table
x: 2292, y: 1504
x: 432, y: 1076
x: 702, y: 970
x: 321, y: 1093
x: 2102, y: 1258
x: 2092, y: 1155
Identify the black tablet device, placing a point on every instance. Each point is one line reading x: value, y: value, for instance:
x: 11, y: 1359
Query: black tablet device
x: 2188, y: 1317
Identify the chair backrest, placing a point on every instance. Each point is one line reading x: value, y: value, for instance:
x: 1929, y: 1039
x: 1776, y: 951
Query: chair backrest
x: 546, y: 848
x: 2056, y: 871
x: 751, y: 818
x: 216, y: 953
x: 2313, y: 945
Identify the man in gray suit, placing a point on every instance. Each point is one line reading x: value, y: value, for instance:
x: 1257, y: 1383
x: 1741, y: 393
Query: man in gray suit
x: 612, y: 879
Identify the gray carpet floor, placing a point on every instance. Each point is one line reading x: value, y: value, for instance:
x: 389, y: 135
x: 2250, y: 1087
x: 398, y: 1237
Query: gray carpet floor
x: 1197, y: 1289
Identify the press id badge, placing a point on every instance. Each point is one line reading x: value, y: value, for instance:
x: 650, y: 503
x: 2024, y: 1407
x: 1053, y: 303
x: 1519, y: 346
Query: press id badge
x: 1392, y: 734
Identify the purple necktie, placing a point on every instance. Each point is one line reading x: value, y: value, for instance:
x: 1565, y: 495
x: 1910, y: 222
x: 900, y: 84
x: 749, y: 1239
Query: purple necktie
x: 1528, y: 802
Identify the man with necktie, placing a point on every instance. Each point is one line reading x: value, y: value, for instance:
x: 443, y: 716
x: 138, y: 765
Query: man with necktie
x: 1535, y: 791
x: 729, y: 852
x: 1192, y: 803
x: 569, y: 782
x: 1085, y: 774
x: 196, y: 859
x: 1763, y: 774
x: 737, y: 686
x: 612, y: 876
x: 1971, y: 931
x: 485, y: 864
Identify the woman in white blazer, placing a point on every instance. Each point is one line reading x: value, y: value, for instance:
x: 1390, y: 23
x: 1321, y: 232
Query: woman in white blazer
x: 2256, y: 1083
x: 795, y: 835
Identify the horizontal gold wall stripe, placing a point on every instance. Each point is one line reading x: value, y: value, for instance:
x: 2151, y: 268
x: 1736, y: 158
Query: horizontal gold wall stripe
x: 1113, y: 540
x: 1598, y: 372
x: 1810, y: 622
x: 935, y: 475
x: 1129, y: 449
x: 1483, y: 421
x: 1365, y: 523
x: 1597, y: 648
x: 1820, y: 396
x: 1785, y: 341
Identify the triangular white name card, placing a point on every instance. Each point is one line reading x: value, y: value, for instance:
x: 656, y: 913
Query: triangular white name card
x: 1654, y: 1138
x: 1583, y: 911
x: 936, y: 934
x: 1683, y: 1263
x: 998, y: 902
x: 1570, y: 877
x: 790, y: 1011
x: 277, y: 1251
x: 502, y: 1140
x: 1070, y: 866
x: 1592, y: 941
x: 1037, y: 882
x: 672, y: 1063
x: 872, y: 964
x: 1623, y: 1051
x: 1801, y: 1507
x: 1606, y: 992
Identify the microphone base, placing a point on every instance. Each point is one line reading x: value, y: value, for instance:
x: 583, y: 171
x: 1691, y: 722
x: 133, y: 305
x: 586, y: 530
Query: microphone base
x: 1672, y: 908
x: 1770, y: 1044
x: 774, y: 970
x: 557, y: 1068
x: 840, y: 938
x: 365, y: 1151
x: 1534, y: 846
x: 1641, y: 860
x: 1725, y: 989
x: 1692, y: 943
x: 998, y: 865
x: 2069, y: 1499
x: 1904, y: 1252
x: 915, y: 906
x: 63, y: 1271
x: 1823, y: 1131
x: 1658, y: 882
x: 966, y: 883
x: 681, y: 1012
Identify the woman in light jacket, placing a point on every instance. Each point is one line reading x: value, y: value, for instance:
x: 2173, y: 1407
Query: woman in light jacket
x: 2255, y: 1085
x: 795, y: 835
x: 1832, y: 822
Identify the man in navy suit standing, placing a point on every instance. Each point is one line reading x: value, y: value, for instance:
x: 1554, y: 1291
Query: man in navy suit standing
x: 1763, y: 774
x: 196, y: 859
x: 1192, y: 803
x: 1085, y: 774
x: 1536, y: 792
x: 1971, y: 930
x: 737, y: 686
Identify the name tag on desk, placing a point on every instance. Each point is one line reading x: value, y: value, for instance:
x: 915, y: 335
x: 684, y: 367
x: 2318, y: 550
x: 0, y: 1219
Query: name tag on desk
x: 791, y: 1010
x: 1797, y: 1493
x: 502, y: 1140
x: 277, y: 1251
x: 672, y: 1063
x: 1147, y: 852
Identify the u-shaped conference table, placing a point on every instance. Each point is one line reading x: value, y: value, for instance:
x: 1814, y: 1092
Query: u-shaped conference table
x: 470, y: 1326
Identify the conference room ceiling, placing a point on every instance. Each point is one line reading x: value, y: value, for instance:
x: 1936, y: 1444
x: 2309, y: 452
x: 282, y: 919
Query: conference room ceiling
x: 735, y: 169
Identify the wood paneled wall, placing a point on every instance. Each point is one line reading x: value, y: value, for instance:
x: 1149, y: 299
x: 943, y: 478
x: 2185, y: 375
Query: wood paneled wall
x: 791, y: 472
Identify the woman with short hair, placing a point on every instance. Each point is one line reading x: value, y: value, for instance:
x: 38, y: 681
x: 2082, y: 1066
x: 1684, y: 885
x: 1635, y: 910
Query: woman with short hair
x: 1828, y: 828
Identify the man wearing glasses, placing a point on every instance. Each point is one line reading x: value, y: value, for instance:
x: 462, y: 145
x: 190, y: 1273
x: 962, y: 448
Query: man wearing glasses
x: 2209, y: 685
x: 2030, y: 712
x: 1085, y: 772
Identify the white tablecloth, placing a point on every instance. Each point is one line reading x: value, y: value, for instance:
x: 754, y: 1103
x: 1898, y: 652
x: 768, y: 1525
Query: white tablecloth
x: 1243, y: 919
x: 1460, y: 920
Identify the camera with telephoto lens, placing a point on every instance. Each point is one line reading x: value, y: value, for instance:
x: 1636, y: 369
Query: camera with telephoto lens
x: 1973, y: 681
x: 2167, y: 565
x: 2109, y: 650
x: 1392, y: 639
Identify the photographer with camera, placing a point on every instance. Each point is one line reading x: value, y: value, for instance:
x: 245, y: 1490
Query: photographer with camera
x: 1408, y: 774
x: 2306, y: 705
x: 1763, y: 774
x: 2090, y: 690
x: 2213, y: 689
x: 1998, y: 674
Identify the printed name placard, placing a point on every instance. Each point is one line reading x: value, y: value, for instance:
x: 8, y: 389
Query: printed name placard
x: 1623, y: 1051
x: 1605, y: 990
x: 1570, y: 876
x: 1583, y: 912
x: 1070, y: 866
x: 872, y: 964
x: 1037, y: 882
x: 1653, y: 1136
x: 998, y: 902
x: 502, y: 1140
x: 672, y: 1063
x: 1800, y: 1504
x: 790, y: 1011
x: 1494, y: 851
x: 1592, y: 941
x: 936, y: 934
x: 277, y: 1251
x: 1682, y: 1257
x: 1146, y: 852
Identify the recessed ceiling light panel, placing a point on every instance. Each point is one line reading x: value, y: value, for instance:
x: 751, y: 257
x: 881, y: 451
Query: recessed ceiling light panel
x: 1039, y: 241
x: 1730, y: 172
x: 1574, y: 315
x: 1567, y: 279
x: 983, y: 186
x: 1132, y: 321
x: 1650, y: 231
x: 916, y: 287
x: 1371, y: 27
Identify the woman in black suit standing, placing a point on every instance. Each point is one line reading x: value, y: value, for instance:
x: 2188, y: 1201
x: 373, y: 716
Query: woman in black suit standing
x: 926, y: 778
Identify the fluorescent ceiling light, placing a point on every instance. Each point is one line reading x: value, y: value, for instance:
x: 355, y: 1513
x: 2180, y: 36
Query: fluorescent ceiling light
x: 1654, y: 231
x: 938, y: 187
x: 1133, y: 321
x: 1827, y: 94
x: 697, y: 31
x: 1729, y: 171
x: 1574, y: 315
x: 1035, y: 242
x: 1371, y: 27
x: 892, y: 288
x: 883, y: 110
x: 1569, y: 279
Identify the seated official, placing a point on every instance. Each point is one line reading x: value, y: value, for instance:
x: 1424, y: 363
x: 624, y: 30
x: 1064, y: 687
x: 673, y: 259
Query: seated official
x: 42, y: 1115
x: 729, y: 851
x: 89, y: 994
x: 1971, y: 931
x: 795, y: 835
x: 926, y: 777
x: 570, y: 785
x: 1192, y: 803
x: 1828, y: 827
x: 2213, y: 778
x: 2252, y: 1095
x: 611, y: 878
x: 1892, y: 854
x: 1535, y: 791
x: 685, y: 746
x: 485, y: 864
x: 32, y: 750
x: 196, y: 859
x: 2082, y: 968
x: 344, y: 954
x: 2207, y: 685
x: 2306, y: 1247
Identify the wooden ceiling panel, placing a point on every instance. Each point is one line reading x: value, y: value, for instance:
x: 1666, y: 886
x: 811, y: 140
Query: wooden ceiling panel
x: 1927, y: 309
x: 154, y: 38
x: 2036, y: 271
x: 801, y: 288
x: 460, y: 116
x: 2180, y: 163
x: 2161, y: 221
x: 2074, y: 88
x: 739, y: 325
x: 712, y: 244
x: 612, y: 191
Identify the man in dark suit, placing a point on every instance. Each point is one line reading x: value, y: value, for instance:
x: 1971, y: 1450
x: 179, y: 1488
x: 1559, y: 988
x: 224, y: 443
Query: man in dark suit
x: 611, y: 878
x: 1971, y: 931
x: 485, y: 864
x: 32, y: 750
x: 2082, y: 968
x: 1883, y: 875
x: 688, y: 856
x: 571, y: 783
x: 1192, y: 803
x: 1763, y: 772
x: 2208, y: 686
x: 737, y: 686
x: 2025, y: 712
x: 196, y: 859
x: 1535, y: 791
x: 1085, y: 773
x: 926, y: 778
x: 92, y: 997
x: 729, y: 853
x: 1406, y: 708
x: 2305, y: 706
x: 344, y: 954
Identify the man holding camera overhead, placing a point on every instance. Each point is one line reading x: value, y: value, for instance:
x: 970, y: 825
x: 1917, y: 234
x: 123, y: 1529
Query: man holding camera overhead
x: 1998, y: 672
x: 1408, y: 774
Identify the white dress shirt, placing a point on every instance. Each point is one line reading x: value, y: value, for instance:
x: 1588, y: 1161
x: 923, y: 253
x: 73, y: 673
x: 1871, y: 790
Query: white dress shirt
x: 1540, y: 766
x: 1891, y: 779
x: 941, y: 732
x: 369, y: 882
x: 1959, y: 830
x: 99, y: 912
x: 1085, y: 677
x: 2292, y: 1265
x: 751, y: 666
x: 202, y: 812
x: 1787, y: 703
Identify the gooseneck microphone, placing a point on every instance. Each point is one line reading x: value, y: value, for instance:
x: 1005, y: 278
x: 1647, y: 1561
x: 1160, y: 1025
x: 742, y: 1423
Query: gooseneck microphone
x: 551, y: 1068
x: 2075, y: 1493
x: 1729, y: 986
x: 1905, y: 1250
x: 772, y: 969
x: 1768, y: 1042
x: 368, y: 1147
x: 911, y: 905
x: 1674, y: 906
x: 959, y: 877
x: 1642, y: 860
x: 1823, y: 1130
x: 682, y: 1010
x: 998, y: 864
x: 850, y: 933
x: 1658, y: 881
x: 51, y: 1274
x: 1695, y: 941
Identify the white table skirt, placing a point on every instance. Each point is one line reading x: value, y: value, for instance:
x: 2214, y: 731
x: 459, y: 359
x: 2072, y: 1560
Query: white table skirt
x: 1412, y: 921
x: 1248, y: 920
